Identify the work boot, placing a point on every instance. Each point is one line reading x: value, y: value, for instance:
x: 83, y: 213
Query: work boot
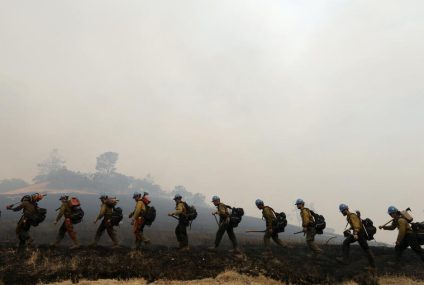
x: 146, y: 241
x: 54, y: 244
x: 76, y: 245
x: 371, y: 258
x: 235, y: 250
x: 283, y: 244
x: 212, y: 248
x: 184, y: 248
x: 342, y: 260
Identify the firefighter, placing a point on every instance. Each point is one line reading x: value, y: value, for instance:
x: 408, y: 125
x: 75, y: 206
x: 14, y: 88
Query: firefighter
x: 65, y: 211
x: 137, y: 218
x: 29, y: 207
x: 406, y: 237
x: 358, y: 235
x: 308, y: 225
x: 181, y: 229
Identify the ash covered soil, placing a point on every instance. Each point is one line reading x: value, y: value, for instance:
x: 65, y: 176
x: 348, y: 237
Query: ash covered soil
x: 44, y: 265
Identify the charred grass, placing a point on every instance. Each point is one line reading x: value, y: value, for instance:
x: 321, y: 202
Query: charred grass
x: 164, y: 264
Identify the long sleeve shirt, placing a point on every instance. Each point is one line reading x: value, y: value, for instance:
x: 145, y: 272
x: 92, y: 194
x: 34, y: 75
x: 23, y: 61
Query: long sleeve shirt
x: 27, y: 207
x: 222, y: 211
x: 179, y: 209
x: 64, y: 210
x: 355, y: 223
x: 269, y: 216
x: 139, y: 209
x: 306, y: 216
x: 402, y: 225
x: 105, y: 211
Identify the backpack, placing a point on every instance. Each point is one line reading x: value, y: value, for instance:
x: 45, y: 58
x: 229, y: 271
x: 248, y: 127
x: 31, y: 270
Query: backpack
x: 77, y: 212
x: 319, y: 223
x: 191, y: 212
x: 236, y: 216
x: 418, y: 229
x: 370, y: 229
x: 36, y: 218
x: 116, y: 216
x: 149, y: 215
x: 280, y: 223
x: 406, y: 215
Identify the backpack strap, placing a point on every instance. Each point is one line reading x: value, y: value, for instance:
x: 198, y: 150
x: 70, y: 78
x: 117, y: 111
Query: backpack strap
x: 275, y: 214
x: 346, y: 225
x: 312, y: 213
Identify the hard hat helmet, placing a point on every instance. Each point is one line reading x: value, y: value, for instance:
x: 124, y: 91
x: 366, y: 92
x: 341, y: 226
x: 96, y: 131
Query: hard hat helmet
x: 36, y: 197
x: 177, y: 196
x: 392, y: 210
x: 215, y: 198
x: 64, y: 198
x: 103, y: 197
x: 259, y: 202
x: 299, y: 201
x: 136, y: 195
x: 343, y: 207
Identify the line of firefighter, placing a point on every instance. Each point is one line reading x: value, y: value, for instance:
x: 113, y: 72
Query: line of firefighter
x: 406, y: 238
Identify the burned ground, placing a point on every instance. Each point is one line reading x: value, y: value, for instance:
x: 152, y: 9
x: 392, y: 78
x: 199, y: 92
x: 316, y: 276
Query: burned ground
x: 43, y: 265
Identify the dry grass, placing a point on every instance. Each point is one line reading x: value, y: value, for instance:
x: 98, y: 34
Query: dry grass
x: 229, y: 277
x: 32, y: 260
x: 392, y: 281
x: 399, y: 280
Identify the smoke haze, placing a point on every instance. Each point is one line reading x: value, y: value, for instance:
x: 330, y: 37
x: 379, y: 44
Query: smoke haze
x: 276, y: 100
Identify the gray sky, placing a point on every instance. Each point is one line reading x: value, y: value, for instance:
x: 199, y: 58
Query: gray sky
x: 246, y: 99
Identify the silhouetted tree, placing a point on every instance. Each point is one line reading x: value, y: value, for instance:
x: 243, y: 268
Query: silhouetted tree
x: 53, y: 163
x: 106, y: 162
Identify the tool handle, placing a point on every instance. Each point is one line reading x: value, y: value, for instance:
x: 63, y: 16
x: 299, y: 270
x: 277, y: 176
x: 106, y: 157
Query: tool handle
x: 386, y: 224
